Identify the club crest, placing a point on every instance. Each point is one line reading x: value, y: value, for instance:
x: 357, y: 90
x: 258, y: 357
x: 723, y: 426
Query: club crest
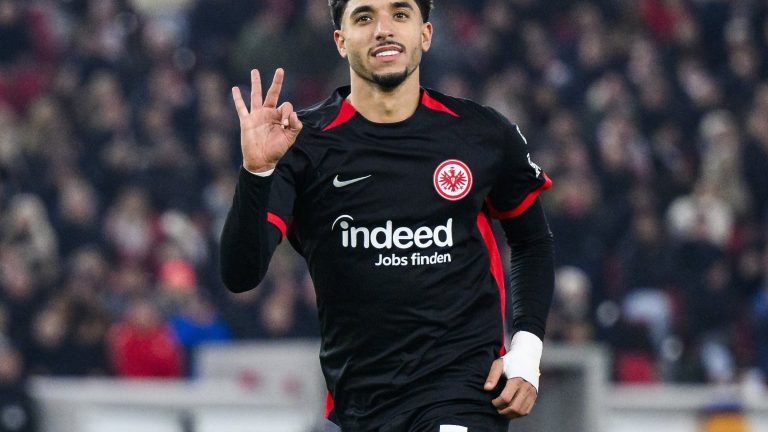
x: 452, y: 179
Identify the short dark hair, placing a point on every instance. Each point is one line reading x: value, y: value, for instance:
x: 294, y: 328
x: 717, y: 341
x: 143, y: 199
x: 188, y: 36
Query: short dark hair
x: 338, y: 6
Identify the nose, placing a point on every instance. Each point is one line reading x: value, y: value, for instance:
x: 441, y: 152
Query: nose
x: 384, y: 28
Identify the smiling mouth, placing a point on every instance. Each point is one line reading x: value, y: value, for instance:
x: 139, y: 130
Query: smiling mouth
x: 390, y: 50
x: 387, y: 53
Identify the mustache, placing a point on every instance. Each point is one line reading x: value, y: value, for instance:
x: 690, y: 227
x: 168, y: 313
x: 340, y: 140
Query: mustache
x: 388, y: 43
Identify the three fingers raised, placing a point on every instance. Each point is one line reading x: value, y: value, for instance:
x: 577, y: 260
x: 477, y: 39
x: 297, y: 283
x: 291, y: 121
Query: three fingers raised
x: 273, y: 94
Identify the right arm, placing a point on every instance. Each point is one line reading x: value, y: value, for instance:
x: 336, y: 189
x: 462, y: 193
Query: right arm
x: 266, y: 134
x: 247, y: 241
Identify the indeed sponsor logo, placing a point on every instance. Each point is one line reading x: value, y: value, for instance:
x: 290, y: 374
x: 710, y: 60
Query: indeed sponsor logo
x: 389, y: 236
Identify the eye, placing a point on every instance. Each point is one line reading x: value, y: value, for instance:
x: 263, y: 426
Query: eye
x: 401, y: 15
x: 363, y: 19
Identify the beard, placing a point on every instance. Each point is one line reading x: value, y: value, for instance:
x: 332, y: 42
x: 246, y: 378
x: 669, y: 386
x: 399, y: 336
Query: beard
x: 390, y: 81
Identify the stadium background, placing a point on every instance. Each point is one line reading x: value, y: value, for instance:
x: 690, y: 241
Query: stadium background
x: 119, y: 153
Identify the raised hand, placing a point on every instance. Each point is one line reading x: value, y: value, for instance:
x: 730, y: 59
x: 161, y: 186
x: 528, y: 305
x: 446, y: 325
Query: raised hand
x: 267, y: 131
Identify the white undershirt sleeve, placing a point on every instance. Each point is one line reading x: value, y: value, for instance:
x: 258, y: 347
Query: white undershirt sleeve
x: 261, y: 174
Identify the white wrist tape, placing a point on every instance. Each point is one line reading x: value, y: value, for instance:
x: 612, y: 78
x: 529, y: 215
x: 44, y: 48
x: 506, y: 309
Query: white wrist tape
x: 524, y: 357
x: 261, y: 174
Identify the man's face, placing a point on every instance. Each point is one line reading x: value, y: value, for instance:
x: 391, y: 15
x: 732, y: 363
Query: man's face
x: 383, y: 40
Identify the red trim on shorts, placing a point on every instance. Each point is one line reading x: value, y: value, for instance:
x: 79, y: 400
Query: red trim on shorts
x: 278, y: 223
x: 433, y: 104
x: 328, y: 405
x: 497, y: 271
x: 520, y: 209
x: 346, y: 113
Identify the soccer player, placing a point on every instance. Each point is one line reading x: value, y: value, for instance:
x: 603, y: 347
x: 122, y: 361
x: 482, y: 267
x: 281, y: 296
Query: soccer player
x: 385, y: 189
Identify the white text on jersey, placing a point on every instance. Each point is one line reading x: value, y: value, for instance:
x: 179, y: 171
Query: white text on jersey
x: 388, y: 236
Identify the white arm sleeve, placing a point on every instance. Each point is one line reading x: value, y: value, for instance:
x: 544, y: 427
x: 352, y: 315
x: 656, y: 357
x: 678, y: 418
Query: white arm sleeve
x: 524, y: 357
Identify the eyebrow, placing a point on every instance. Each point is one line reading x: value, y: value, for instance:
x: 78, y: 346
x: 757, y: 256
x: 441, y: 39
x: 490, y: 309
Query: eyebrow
x: 361, y: 9
x: 402, y: 4
x: 393, y: 5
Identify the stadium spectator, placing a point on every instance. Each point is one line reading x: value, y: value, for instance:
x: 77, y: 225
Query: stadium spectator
x: 26, y: 53
x: 196, y: 324
x: 569, y: 319
x: 27, y: 229
x: 645, y: 254
x: 77, y: 215
x: 144, y: 345
x: 68, y: 336
x: 20, y: 293
x: 46, y: 347
x: 130, y: 226
x: 756, y: 153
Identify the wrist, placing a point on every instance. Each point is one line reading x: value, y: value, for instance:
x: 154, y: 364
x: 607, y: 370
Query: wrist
x: 524, y: 358
x: 263, y: 169
x: 262, y: 173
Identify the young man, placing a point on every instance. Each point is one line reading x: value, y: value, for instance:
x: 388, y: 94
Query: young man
x: 385, y: 189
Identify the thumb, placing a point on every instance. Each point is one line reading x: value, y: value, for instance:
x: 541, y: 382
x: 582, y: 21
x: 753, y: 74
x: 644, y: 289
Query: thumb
x: 497, y: 368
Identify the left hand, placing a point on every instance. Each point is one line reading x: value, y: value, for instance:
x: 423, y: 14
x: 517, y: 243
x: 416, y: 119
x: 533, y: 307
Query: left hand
x: 518, y: 396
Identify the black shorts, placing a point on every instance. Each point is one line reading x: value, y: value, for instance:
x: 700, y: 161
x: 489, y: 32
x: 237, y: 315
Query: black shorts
x: 459, y: 414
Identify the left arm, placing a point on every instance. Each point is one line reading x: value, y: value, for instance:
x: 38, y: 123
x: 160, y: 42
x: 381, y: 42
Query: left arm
x: 531, y: 289
x: 532, y: 277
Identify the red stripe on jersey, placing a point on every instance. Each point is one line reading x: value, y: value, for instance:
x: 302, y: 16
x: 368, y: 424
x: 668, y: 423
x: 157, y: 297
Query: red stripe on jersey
x: 328, y: 405
x: 432, y: 104
x: 520, y: 209
x: 346, y: 113
x: 278, y: 223
x: 496, y: 269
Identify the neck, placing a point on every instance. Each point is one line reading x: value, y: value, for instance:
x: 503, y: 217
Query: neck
x: 385, y: 106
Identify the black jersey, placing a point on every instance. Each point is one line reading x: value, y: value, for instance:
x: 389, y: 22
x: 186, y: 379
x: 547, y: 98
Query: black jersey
x: 392, y: 220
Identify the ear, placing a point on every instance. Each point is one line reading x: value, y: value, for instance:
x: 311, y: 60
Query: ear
x: 426, y: 36
x: 340, y: 43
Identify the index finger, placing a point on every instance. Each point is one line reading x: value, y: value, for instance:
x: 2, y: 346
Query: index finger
x: 273, y: 94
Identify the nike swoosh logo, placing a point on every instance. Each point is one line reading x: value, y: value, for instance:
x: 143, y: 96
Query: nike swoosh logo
x: 338, y: 183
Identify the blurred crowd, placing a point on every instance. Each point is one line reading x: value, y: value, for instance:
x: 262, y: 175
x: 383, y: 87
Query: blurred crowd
x: 119, y: 154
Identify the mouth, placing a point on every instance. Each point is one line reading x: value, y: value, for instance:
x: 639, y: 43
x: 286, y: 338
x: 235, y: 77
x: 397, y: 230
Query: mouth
x: 389, y: 52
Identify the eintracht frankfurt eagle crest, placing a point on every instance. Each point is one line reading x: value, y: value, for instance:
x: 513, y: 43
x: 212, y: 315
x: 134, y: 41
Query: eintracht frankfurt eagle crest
x: 452, y: 179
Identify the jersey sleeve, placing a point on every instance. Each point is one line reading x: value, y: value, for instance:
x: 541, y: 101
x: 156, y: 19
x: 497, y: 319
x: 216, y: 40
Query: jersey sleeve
x: 520, y: 181
x: 282, y: 196
x: 531, y: 271
x: 261, y: 212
